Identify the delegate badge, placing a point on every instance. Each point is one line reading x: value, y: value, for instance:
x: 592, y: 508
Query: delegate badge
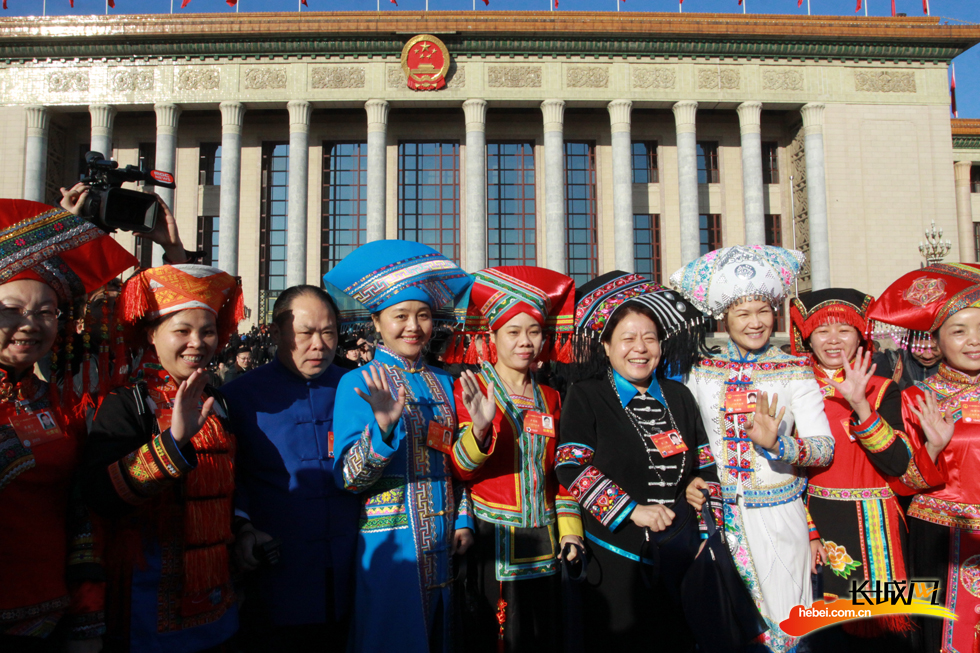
x: 846, y: 424
x: 34, y: 429
x: 970, y: 412
x: 539, y: 423
x: 330, y: 444
x: 669, y: 443
x: 165, y: 417
x: 741, y: 401
x: 440, y: 437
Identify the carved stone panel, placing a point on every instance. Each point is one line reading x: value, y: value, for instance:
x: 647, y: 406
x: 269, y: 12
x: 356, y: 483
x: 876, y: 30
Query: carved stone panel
x: 715, y: 79
x: 457, y: 77
x: 395, y: 77
x: 514, y: 76
x: 782, y: 79
x: 68, y: 81
x: 654, y: 77
x: 129, y: 80
x: 265, y: 78
x: 324, y: 77
x: 884, y: 81
x: 587, y: 77
x: 198, y: 79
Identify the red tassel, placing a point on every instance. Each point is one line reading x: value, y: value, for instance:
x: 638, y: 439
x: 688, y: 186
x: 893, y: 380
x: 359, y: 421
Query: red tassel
x: 472, y: 356
x: 565, y: 355
x: 493, y: 352
x: 134, y: 300
x: 456, y: 349
x: 501, y: 619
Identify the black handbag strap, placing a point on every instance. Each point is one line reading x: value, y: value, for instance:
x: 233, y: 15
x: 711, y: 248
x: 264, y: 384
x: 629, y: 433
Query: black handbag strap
x: 581, y: 562
x: 707, y: 516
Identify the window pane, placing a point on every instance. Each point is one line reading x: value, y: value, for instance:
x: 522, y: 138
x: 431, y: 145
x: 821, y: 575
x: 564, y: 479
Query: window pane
x: 580, y: 211
x: 429, y: 171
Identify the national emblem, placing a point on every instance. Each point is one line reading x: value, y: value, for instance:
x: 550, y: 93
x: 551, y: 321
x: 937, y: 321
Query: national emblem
x: 425, y: 62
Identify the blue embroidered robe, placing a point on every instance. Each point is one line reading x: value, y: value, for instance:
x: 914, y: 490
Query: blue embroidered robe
x: 409, y: 512
x: 285, y: 486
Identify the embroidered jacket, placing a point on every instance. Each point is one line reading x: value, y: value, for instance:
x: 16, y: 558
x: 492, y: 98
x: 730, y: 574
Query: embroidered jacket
x: 950, y: 493
x: 168, y: 512
x: 743, y: 467
x: 865, y: 453
x: 49, y: 553
x: 610, y: 468
x: 410, y: 507
x: 513, y: 481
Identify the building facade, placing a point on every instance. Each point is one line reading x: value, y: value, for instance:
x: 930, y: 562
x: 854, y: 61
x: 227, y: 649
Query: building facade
x: 583, y: 142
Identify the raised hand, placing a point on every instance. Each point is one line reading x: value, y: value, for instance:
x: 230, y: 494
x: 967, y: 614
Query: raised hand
x: 165, y: 234
x: 188, y: 418
x: 387, y: 409
x: 73, y: 199
x: 936, y: 425
x: 763, y: 429
x: 481, y: 407
x: 855, y: 384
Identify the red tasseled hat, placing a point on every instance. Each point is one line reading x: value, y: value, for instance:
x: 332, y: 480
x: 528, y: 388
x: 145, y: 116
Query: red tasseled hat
x: 58, y: 248
x: 500, y: 293
x: 829, y: 306
x: 168, y: 289
x: 922, y: 300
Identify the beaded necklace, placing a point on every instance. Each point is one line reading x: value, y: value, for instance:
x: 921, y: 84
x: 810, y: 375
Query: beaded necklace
x: 643, y: 429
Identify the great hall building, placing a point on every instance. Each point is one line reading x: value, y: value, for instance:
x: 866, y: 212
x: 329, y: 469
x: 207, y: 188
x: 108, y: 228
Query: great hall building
x: 583, y: 142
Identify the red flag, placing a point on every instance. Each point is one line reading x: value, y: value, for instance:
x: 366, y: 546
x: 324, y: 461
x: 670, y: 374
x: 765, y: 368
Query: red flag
x: 184, y: 3
x: 4, y: 4
x: 487, y: 2
x: 925, y: 7
x: 304, y: 3
x: 859, y: 6
x: 394, y: 2
x: 112, y: 3
x: 231, y: 3
x: 893, y: 8
x: 800, y: 3
x: 952, y: 94
x: 556, y: 4
x: 71, y: 2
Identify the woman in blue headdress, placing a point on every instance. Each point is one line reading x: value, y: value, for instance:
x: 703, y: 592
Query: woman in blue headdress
x: 394, y: 422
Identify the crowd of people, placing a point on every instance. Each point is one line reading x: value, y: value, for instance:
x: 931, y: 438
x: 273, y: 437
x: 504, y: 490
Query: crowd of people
x: 496, y: 461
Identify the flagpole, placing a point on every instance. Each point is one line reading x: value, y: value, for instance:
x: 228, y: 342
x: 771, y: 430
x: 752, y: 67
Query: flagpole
x: 807, y: 7
x: 44, y: 8
x: 171, y: 6
x: 745, y: 4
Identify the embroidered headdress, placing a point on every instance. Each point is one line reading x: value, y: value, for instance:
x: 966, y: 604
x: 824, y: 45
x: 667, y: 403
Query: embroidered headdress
x: 918, y: 303
x: 731, y: 275
x: 829, y: 306
x: 383, y: 273
x: 169, y: 289
x: 53, y: 246
x: 499, y: 294
x: 680, y: 324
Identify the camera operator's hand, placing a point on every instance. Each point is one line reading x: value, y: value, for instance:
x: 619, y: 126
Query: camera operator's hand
x: 166, y: 236
x: 74, y: 199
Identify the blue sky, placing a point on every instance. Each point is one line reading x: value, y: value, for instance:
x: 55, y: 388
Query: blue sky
x: 966, y: 11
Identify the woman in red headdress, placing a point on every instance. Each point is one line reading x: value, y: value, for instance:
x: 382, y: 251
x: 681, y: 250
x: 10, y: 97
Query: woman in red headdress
x: 50, y: 587
x: 159, y: 466
x: 851, y: 501
x: 942, y: 418
x: 506, y: 450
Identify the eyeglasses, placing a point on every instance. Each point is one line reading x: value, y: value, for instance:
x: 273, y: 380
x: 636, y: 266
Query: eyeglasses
x: 10, y: 313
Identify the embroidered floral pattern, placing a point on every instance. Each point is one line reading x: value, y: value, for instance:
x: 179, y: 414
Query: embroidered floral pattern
x: 840, y: 562
x: 599, y: 495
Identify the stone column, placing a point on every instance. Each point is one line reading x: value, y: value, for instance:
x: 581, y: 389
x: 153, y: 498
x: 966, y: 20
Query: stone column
x: 622, y: 169
x: 101, y: 139
x: 377, y: 163
x: 476, y: 184
x: 687, y: 179
x: 166, y: 157
x: 299, y: 156
x: 36, y: 157
x: 816, y: 190
x: 554, y: 184
x: 750, y: 120
x: 232, y: 115
x: 964, y: 211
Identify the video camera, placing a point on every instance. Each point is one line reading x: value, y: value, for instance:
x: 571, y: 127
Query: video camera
x: 111, y: 207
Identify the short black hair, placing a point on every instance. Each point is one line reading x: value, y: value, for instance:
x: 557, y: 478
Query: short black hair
x: 284, y: 302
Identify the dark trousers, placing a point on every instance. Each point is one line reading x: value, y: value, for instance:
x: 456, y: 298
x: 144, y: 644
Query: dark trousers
x: 258, y: 634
